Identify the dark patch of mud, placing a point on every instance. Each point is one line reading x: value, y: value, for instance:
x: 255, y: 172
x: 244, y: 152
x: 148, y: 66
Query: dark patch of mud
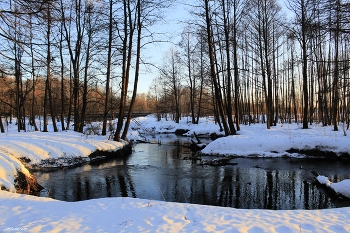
x: 26, y: 184
x: 317, y: 153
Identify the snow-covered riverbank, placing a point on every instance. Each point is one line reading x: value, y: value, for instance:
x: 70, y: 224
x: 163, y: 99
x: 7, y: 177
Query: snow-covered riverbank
x: 53, y: 149
x: 34, y: 214
x: 255, y: 140
x: 23, y: 213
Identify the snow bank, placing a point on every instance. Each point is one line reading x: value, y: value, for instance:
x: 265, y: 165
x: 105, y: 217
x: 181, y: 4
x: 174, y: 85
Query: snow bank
x: 342, y: 187
x: 150, y: 124
x: 38, y: 146
x: 34, y: 214
x: 252, y: 140
x: 256, y: 140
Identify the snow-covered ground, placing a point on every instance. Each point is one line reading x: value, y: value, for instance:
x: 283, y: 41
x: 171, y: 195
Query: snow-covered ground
x: 23, y: 213
x: 256, y: 140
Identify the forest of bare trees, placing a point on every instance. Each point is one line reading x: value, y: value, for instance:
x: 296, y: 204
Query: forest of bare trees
x: 241, y: 61
x: 253, y: 63
x: 69, y: 60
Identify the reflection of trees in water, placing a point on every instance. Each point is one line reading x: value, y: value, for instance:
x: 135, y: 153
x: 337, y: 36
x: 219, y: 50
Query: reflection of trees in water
x: 115, y: 181
x: 109, y: 180
x: 257, y: 188
x: 226, y: 194
x: 123, y: 186
x: 126, y: 184
x: 88, y: 187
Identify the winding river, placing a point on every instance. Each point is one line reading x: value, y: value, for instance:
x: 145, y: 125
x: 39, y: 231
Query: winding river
x: 158, y: 170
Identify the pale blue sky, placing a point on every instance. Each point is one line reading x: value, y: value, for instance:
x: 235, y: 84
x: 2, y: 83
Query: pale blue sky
x: 171, y: 26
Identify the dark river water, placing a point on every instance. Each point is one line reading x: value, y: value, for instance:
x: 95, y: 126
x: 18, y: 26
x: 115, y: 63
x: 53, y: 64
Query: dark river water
x: 160, y: 172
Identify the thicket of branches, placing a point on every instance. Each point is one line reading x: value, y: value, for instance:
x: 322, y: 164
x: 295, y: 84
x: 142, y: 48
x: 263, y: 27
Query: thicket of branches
x: 241, y: 61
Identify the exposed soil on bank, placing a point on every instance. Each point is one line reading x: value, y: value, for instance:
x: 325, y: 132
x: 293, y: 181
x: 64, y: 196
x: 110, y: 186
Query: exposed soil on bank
x: 317, y: 153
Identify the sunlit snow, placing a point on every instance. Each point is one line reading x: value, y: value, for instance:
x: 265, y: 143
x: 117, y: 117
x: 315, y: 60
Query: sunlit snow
x: 24, y: 213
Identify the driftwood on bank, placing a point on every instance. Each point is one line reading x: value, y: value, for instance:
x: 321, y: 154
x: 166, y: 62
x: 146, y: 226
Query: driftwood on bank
x: 218, y: 162
x: 196, y: 146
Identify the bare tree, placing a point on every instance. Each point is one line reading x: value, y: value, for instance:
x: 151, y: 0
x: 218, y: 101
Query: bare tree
x: 265, y: 15
x: 74, y: 47
x: 137, y: 68
x: 188, y: 45
x: 213, y: 73
x: 33, y: 122
x: 109, y: 66
x: 127, y: 42
x: 48, y: 94
x: 226, y: 25
x: 305, y: 14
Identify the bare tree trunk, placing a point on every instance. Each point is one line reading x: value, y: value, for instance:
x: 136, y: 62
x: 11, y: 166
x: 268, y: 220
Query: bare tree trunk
x: 45, y: 109
x: 62, y: 80
x: 48, y: 61
x: 70, y: 98
x: 18, y: 89
x: 175, y: 86
x: 137, y: 69
x: 2, y: 129
x: 293, y: 85
x: 32, y: 115
x: 216, y: 112
x: 212, y: 68
x: 85, y: 88
x: 304, y: 60
x: 235, y: 66
x: 262, y: 64
x: 125, y: 67
x: 229, y: 77
x: 336, y: 69
x: 109, y: 63
x: 312, y: 93
x: 202, y: 82
x: 87, y: 61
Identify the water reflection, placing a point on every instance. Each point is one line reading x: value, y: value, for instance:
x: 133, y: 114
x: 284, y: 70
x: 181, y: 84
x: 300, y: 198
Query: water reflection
x: 159, y: 172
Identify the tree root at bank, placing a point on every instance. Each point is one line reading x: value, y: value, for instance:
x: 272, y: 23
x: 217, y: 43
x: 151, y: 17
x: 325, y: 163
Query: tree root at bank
x: 27, y: 184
